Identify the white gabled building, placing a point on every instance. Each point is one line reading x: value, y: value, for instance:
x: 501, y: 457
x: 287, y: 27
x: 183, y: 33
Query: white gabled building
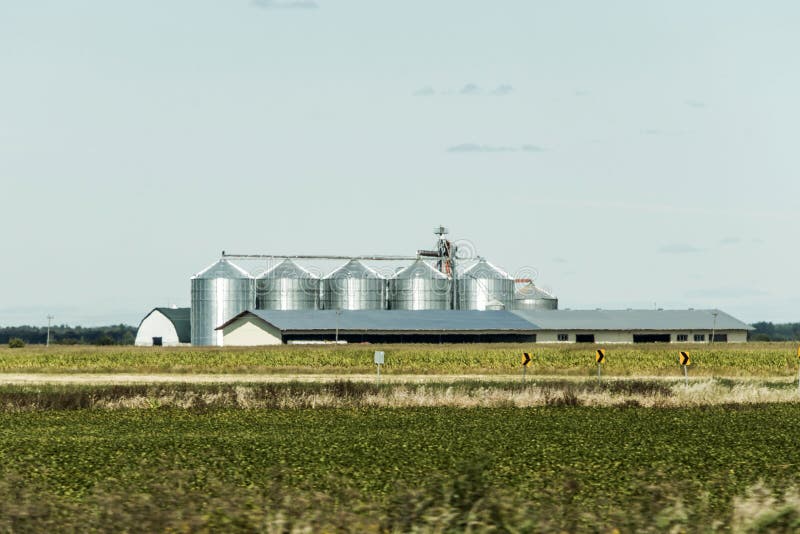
x: 167, y: 327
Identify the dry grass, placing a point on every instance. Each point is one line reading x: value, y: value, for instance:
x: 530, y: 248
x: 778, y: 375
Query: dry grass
x: 342, y: 394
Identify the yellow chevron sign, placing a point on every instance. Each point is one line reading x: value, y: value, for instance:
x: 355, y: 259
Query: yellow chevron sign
x: 526, y: 359
x: 600, y: 356
x: 685, y: 359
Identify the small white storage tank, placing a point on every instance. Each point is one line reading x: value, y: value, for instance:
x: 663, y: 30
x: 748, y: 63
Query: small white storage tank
x: 530, y: 297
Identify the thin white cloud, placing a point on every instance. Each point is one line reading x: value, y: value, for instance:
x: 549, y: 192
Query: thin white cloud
x: 470, y: 89
x: 502, y: 90
x: 286, y: 4
x: 656, y: 131
x: 726, y: 293
x: 697, y: 104
x: 679, y: 248
x: 476, y: 148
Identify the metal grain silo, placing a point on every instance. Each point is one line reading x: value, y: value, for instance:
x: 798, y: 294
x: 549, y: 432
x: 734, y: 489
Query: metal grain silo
x: 218, y: 293
x: 419, y: 287
x: 482, y: 284
x: 287, y: 286
x: 354, y: 286
x: 530, y: 297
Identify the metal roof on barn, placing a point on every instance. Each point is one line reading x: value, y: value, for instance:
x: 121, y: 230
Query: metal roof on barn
x: 392, y: 320
x: 631, y: 320
x: 497, y: 321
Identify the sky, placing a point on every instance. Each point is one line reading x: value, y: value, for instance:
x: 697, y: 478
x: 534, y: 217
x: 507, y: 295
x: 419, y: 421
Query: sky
x: 625, y: 154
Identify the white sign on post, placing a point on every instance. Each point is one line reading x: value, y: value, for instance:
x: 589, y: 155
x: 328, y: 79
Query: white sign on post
x: 379, y: 361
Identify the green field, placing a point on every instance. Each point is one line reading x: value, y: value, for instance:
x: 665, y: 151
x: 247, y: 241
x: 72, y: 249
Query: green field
x: 482, y: 451
x: 371, y: 470
x: 750, y: 359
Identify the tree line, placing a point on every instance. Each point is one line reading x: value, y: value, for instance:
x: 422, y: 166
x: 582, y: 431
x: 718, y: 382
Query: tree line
x: 120, y: 334
x: 766, y: 331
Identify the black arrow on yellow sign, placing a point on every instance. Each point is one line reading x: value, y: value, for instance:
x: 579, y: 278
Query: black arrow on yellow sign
x: 526, y: 359
x: 685, y: 359
x: 600, y: 356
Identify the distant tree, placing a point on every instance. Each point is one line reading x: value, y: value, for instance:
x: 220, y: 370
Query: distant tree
x: 766, y: 331
x: 104, y: 340
x: 15, y: 343
x: 67, y: 335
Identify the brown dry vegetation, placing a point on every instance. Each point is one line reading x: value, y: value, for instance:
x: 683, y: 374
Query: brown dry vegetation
x: 354, y: 394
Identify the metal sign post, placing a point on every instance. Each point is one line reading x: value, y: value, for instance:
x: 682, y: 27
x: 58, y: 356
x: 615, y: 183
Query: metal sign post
x: 600, y: 358
x: 685, y: 361
x: 379, y: 362
x: 526, y: 360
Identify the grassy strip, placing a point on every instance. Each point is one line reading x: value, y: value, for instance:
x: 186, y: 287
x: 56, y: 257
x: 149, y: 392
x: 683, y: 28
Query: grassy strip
x: 752, y: 359
x: 320, y: 394
x: 574, y: 469
x: 358, y: 394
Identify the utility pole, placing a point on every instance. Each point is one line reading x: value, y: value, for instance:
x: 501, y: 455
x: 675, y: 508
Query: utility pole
x: 49, y: 320
x: 338, y: 313
x: 714, y: 326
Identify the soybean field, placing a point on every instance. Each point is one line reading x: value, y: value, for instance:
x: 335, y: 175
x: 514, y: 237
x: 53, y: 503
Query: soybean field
x: 547, y: 469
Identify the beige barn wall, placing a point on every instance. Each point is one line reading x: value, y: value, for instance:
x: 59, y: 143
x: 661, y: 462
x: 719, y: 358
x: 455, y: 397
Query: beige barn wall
x: 626, y: 336
x: 600, y: 336
x: 249, y: 332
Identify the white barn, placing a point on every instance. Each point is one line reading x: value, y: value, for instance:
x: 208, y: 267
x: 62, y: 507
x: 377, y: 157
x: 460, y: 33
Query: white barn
x: 167, y: 327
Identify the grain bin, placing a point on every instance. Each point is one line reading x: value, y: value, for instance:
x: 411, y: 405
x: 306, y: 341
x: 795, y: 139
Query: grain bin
x: 218, y: 293
x: 287, y: 286
x: 354, y: 286
x: 530, y: 297
x: 419, y: 287
x: 483, y: 285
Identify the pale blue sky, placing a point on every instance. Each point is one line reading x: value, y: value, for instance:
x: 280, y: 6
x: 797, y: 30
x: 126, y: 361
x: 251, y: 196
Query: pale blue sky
x: 632, y: 153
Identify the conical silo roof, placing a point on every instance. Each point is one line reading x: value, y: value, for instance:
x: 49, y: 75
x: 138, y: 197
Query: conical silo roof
x: 354, y: 269
x: 222, y: 269
x: 287, y: 269
x: 485, y: 270
x: 530, y: 291
x: 419, y: 269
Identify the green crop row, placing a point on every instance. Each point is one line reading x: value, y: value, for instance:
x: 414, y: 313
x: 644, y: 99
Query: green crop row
x: 750, y: 359
x: 559, y: 469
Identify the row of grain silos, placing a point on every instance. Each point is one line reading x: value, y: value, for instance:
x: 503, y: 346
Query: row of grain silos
x: 224, y: 289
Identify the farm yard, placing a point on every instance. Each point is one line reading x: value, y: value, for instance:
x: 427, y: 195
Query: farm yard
x: 451, y: 439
